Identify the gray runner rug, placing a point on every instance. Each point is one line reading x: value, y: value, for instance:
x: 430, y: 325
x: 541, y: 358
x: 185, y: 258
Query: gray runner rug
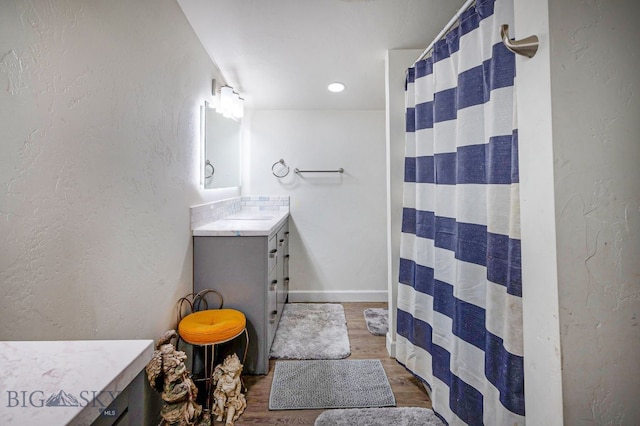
x: 311, y: 331
x: 401, y: 416
x: 377, y: 320
x: 357, y: 383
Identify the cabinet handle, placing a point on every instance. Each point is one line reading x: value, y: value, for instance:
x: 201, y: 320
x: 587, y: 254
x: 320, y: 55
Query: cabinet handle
x: 286, y: 233
x: 273, y: 253
x: 274, y: 315
x: 286, y: 256
x: 274, y: 284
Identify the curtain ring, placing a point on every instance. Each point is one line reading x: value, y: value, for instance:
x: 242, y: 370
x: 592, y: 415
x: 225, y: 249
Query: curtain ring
x: 208, y: 163
x: 273, y: 171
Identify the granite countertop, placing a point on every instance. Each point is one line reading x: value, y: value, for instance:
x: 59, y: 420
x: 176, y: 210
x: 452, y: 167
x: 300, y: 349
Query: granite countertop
x: 78, y: 378
x: 246, y: 223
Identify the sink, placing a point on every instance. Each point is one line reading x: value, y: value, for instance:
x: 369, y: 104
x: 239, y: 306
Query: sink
x: 247, y: 217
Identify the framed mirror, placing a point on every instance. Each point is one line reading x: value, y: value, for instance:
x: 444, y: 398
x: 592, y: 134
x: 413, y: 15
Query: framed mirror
x: 220, y: 149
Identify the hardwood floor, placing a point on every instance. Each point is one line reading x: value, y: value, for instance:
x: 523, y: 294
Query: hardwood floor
x: 407, y: 389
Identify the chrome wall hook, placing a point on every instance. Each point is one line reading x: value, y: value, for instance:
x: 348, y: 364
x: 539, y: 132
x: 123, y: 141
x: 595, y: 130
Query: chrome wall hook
x: 526, y: 47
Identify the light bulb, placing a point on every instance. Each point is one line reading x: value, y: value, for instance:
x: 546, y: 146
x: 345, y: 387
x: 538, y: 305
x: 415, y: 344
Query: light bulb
x: 336, y: 87
x: 238, y: 110
x: 226, y: 101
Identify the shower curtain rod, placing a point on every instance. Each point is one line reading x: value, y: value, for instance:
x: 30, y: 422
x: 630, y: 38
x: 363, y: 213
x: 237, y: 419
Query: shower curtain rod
x: 447, y: 27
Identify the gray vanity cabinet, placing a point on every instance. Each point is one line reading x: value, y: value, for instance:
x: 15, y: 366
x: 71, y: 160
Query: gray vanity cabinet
x: 252, y: 274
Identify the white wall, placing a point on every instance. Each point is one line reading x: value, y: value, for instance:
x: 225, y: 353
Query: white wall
x: 338, y: 241
x: 99, y: 163
x: 396, y: 64
x: 578, y: 115
x: 542, y: 351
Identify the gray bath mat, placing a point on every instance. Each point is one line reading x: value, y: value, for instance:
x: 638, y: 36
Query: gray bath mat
x: 402, y: 416
x: 311, y: 331
x: 357, y: 383
x: 377, y: 320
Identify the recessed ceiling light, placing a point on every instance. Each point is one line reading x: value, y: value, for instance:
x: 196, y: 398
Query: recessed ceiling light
x: 336, y: 87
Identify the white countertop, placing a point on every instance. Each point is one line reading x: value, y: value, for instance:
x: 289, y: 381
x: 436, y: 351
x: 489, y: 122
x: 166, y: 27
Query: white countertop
x: 244, y: 224
x: 82, y: 372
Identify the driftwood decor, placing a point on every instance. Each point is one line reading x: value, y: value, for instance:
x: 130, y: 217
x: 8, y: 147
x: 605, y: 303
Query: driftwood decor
x: 168, y: 375
x: 229, y: 401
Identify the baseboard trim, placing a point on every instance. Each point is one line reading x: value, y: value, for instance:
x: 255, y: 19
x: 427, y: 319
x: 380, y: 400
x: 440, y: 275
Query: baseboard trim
x: 301, y: 296
x: 391, y: 346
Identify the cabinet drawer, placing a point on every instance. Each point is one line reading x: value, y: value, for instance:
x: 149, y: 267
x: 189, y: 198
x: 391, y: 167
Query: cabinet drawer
x: 283, y: 236
x: 272, y: 252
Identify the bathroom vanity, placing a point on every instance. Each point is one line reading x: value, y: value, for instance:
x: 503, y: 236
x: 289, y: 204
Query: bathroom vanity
x: 245, y: 256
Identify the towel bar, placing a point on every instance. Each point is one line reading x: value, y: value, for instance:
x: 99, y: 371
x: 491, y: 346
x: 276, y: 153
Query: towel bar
x: 340, y: 170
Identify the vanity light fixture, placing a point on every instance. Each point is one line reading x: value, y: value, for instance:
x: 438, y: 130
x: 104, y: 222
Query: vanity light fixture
x: 229, y: 104
x: 336, y: 87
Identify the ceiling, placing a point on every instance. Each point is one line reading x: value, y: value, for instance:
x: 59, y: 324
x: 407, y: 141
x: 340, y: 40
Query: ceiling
x: 282, y: 54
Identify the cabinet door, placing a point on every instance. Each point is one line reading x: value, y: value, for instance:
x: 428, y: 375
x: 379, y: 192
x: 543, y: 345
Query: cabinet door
x: 272, y: 312
x: 238, y: 268
x: 285, y: 280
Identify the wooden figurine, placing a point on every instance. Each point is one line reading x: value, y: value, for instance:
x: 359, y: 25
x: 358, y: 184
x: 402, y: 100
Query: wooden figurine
x: 168, y: 375
x: 229, y: 401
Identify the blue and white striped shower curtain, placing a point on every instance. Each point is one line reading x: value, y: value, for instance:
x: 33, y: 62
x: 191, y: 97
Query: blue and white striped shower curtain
x: 460, y: 288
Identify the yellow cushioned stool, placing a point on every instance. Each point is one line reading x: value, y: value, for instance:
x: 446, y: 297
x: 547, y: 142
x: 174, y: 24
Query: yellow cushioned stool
x: 203, y: 327
x: 213, y: 325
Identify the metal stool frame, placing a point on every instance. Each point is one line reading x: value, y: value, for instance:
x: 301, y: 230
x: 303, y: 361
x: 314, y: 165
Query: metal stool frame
x: 196, y: 301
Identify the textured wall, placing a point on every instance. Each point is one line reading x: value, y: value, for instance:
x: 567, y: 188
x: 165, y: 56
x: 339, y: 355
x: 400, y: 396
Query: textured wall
x: 595, y: 66
x: 578, y: 112
x: 338, y: 222
x: 98, y: 166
